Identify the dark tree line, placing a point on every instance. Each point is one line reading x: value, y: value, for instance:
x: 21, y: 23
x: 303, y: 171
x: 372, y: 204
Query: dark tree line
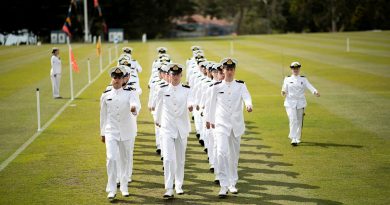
x: 154, y: 17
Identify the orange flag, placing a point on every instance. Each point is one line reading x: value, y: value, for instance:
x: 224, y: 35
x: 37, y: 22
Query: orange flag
x: 98, y: 48
x: 73, y: 61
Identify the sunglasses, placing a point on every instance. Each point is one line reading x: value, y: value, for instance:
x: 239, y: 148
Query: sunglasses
x: 116, y: 76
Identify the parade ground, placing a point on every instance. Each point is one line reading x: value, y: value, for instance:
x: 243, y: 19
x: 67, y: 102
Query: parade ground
x: 344, y: 157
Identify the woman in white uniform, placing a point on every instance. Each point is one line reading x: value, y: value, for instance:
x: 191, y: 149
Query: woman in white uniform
x: 55, y: 72
x: 293, y: 90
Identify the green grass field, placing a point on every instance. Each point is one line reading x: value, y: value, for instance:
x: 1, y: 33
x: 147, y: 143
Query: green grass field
x: 344, y: 157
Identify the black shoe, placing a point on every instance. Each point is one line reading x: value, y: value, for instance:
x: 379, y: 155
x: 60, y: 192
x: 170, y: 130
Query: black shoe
x: 294, y: 144
x: 192, y: 117
x: 162, y: 158
x: 201, y: 142
x: 216, y: 181
x: 158, y: 151
x: 205, y: 150
x: 59, y: 97
x: 118, y: 185
x: 198, y: 136
x: 212, y: 170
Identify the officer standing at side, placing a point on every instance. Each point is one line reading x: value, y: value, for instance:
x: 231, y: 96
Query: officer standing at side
x: 293, y: 90
x: 117, y: 129
x: 55, y: 72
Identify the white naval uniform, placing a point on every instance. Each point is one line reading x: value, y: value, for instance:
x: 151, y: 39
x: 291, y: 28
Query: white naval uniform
x: 119, y: 127
x: 136, y: 65
x: 55, y: 75
x: 154, y: 87
x: 205, y: 102
x: 173, y: 116
x: 295, y: 103
x: 226, y: 112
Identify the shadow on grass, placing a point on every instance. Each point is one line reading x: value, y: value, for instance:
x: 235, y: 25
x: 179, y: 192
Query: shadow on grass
x: 199, y: 187
x: 327, y: 145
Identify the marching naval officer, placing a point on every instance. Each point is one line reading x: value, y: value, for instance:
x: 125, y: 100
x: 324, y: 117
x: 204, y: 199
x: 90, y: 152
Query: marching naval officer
x: 117, y: 129
x: 226, y: 114
x: 55, y: 72
x: 174, y: 102
x: 293, y: 90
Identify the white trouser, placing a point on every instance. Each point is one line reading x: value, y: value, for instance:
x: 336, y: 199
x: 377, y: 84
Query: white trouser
x: 117, y: 153
x: 174, y: 151
x: 295, y: 117
x: 228, y: 153
x: 130, y: 174
x: 215, y: 148
x: 156, y: 131
x: 197, y: 121
x: 210, y: 146
x: 204, y: 135
x: 55, y: 83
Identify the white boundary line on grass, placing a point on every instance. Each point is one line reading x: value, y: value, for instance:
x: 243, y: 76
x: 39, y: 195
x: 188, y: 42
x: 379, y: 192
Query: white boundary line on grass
x: 5, y: 163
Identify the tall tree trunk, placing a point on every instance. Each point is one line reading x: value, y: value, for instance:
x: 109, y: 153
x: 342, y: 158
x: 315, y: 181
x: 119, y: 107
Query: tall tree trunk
x: 333, y: 16
x: 240, y: 18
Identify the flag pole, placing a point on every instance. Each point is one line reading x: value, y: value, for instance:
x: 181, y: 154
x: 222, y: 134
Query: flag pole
x: 70, y: 70
x: 109, y: 55
x: 38, y: 111
x: 101, y: 53
x: 89, y: 71
x: 86, y: 33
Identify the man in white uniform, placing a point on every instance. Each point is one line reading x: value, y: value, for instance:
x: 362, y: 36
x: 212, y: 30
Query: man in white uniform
x: 118, y: 128
x: 135, y: 64
x: 293, y: 90
x: 55, y: 72
x: 174, y: 102
x: 226, y: 114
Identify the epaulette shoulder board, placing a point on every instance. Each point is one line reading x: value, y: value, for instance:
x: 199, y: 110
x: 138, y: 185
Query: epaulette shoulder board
x: 130, y: 83
x: 162, y: 83
x: 240, y: 81
x: 165, y: 85
x: 303, y: 76
x: 186, y: 86
x: 107, y: 91
x: 211, y: 85
x: 129, y: 89
x: 208, y: 81
x: 217, y: 83
x: 199, y: 76
x: 134, y: 75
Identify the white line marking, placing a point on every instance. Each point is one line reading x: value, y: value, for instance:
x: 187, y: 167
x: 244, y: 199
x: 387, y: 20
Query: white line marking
x: 5, y: 163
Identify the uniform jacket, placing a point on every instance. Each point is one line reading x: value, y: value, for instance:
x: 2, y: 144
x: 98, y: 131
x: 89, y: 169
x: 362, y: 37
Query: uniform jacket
x: 116, y: 118
x: 172, y: 109
x: 55, y: 65
x: 295, y: 86
x: 226, y: 106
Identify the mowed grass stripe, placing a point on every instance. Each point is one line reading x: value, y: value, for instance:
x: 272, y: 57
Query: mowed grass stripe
x: 363, y: 64
x: 349, y: 106
x: 85, y: 177
x: 67, y: 162
x: 327, y: 135
x: 18, y: 106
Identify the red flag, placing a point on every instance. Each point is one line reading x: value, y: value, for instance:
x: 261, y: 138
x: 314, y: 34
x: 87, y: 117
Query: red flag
x: 66, y: 30
x: 73, y: 60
